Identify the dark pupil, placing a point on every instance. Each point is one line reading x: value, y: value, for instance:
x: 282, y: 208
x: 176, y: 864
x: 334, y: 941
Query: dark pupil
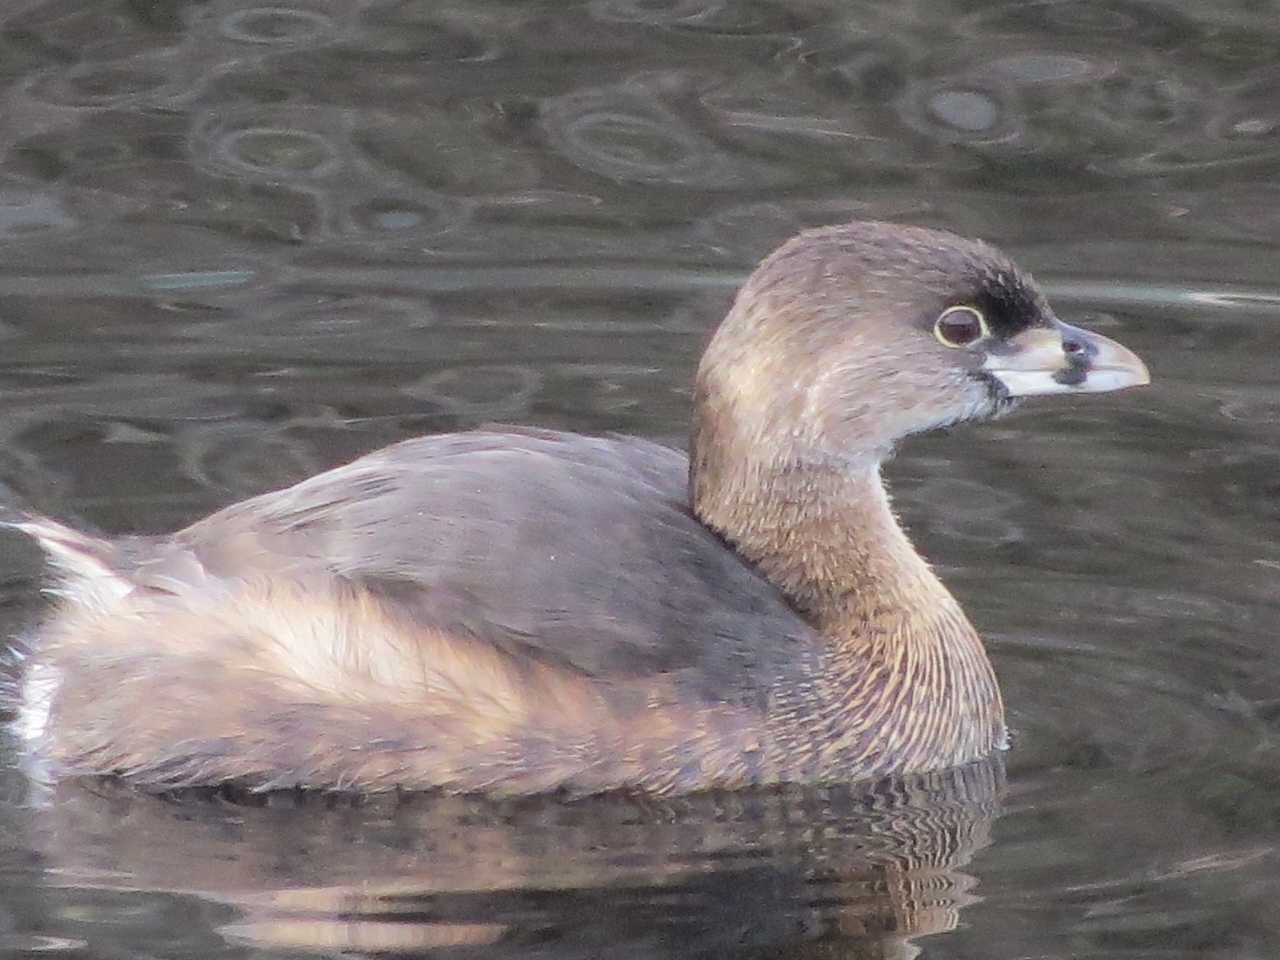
x: 959, y: 327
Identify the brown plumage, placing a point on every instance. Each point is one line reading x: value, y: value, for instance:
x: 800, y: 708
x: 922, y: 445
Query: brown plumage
x: 520, y: 610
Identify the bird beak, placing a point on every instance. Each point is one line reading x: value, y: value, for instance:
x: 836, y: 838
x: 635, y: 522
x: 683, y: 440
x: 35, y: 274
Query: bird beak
x: 1060, y: 358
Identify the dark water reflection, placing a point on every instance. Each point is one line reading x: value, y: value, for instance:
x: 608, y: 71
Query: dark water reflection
x: 240, y: 242
x: 773, y: 872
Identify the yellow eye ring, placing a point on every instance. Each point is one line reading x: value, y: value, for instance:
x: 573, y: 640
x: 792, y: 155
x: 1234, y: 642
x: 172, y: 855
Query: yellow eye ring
x: 960, y: 326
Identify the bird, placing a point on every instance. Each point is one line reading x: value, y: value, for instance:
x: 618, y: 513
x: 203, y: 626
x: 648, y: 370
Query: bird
x: 515, y: 610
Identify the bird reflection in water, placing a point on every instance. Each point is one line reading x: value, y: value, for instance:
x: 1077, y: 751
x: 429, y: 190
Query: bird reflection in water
x: 848, y: 871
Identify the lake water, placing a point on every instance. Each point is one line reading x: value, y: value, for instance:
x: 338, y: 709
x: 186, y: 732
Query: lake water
x: 241, y: 242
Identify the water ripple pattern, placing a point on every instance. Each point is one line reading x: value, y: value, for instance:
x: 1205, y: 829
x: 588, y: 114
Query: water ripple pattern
x: 244, y: 240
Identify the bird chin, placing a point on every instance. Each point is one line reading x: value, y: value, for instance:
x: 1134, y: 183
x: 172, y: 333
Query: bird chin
x: 999, y: 401
x: 1003, y: 405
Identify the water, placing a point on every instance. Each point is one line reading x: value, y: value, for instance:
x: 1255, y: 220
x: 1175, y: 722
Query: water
x: 241, y: 242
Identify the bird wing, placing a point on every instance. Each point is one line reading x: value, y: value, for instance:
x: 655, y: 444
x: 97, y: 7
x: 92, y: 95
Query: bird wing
x: 577, y: 552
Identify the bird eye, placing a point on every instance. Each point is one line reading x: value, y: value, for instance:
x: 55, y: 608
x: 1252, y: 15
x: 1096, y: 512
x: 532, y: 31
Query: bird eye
x: 960, y: 326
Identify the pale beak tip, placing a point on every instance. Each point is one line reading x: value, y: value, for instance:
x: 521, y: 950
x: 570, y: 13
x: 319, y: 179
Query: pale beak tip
x: 1123, y: 368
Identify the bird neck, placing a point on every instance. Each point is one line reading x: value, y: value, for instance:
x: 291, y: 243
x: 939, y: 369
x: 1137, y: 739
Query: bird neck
x: 826, y: 536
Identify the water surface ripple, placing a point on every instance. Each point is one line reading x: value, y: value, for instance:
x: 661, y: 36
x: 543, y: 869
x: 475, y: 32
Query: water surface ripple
x: 242, y: 241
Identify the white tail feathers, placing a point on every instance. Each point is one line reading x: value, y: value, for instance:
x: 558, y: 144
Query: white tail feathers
x: 85, y: 563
